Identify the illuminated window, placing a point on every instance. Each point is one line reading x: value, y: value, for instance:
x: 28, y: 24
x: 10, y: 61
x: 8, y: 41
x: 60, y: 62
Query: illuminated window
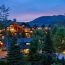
x: 31, y: 31
x: 11, y: 25
x: 23, y: 26
x: 7, y: 28
x: 27, y: 43
x: 39, y: 28
x: 12, y: 30
x: 46, y: 28
x: 2, y: 37
x: 27, y: 29
x: 1, y: 43
x: 27, y: 35
x: 25, y: 51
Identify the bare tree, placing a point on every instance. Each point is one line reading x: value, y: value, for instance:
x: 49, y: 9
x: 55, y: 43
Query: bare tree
x: 4, y: 13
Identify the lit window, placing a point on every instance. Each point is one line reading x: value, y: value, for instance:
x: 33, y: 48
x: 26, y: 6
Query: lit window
x: 23, y: 26
x: 2, y: 37
x: 46, y: 28
x: 7, y: 28
x: 27, y: 35
x: 11, y: 25
x: 39, y: 28
x: 27, y: 43
x: 25, y: 51
x: 1, y: 43
x: 31, y: 31
x: 27, y: 30
x: 12, y: 30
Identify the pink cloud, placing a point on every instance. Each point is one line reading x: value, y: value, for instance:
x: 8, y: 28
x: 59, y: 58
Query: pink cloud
x: 26, y: 17
x: 29, y: 16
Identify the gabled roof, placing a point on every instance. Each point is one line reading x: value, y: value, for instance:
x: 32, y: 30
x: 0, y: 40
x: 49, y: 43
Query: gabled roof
x: 20, y: 23
x: 8, y: 23
x: 27, y: 25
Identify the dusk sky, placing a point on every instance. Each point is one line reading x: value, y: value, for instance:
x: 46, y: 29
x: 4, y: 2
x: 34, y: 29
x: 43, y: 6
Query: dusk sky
x: 28, y: 10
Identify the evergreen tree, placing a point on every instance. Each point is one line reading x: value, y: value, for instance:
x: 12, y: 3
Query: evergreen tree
x: 48, y: 45
x: 63, y: 61
x: 36, y: 46
x: 48, y: 50
x: 1, y: 25
x: 59, y: 39
x: 23, y: 34
x: 14, y: 55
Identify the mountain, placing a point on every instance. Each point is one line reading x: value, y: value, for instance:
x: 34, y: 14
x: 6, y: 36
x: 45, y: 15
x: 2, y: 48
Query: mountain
x: 48, y: 20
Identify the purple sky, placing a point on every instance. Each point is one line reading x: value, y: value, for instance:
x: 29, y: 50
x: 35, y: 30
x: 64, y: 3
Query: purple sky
x: 27, y: 10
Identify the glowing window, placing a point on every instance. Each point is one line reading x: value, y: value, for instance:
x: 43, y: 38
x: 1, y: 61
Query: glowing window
x: 25, y: 51
x: 27, y: 35
x: 1, y: 43
x: 27, y: 43
x: 27, y: 30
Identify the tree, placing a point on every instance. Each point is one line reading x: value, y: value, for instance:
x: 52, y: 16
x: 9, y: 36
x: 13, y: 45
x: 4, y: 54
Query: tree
x: 14, y: 56
x: 4, y: 13
x: 54, y: 30
x: 59, y: 39
x: 36, y: 46
x: 1, y: 25
x: 2, y: 62
x: 48, y: 45
x: 48, y: 50
x: 56, y: 64
x: 63, y: 61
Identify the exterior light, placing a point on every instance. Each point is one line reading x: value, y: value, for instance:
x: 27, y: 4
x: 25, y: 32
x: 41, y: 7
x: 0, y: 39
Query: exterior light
x: 46, y: 28
x: 39, y: 28
x: 63, y: 52
x: 27, y: 43
x: 31, y: 31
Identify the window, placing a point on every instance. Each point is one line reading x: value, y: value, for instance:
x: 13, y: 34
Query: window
x: 27, y: 43
x: 25, y: 51
x: 27, y: 35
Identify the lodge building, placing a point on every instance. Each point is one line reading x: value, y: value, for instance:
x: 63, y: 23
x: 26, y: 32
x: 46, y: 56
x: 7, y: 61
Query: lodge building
x: 22, y: 31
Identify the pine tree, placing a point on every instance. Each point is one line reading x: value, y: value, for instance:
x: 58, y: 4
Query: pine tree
x: 48, y: 45
x: 48, y: 50
x: 14, y: 55
x: 36, y: 46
